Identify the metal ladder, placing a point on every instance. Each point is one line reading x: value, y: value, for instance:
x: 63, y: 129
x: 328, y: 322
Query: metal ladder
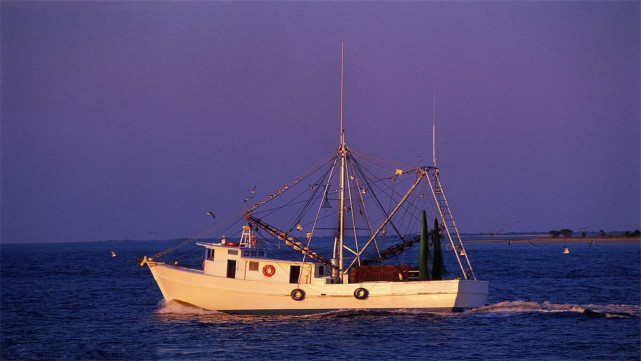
x: 449, y: 224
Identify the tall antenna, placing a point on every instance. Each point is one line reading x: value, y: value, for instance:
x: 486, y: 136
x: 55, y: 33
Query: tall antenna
x: 338, y: 245
x: 434, y: 130
x: 342, y: 133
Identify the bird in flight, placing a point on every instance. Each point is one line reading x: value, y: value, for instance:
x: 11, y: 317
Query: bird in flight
x: 211, y: 214
x: 253, y: 190
x: 246, y: 199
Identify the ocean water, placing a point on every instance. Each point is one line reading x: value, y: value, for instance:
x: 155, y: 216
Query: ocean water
x: 74, y: 301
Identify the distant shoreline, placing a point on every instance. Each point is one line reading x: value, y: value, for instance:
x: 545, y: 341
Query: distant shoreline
x: 558, y: 240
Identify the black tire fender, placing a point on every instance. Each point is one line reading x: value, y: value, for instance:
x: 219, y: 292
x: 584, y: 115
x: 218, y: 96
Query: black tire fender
x: 361, y: 293
x: 298, y: 294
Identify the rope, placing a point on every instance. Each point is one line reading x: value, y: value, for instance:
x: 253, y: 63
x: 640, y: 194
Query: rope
x: 199, y: 235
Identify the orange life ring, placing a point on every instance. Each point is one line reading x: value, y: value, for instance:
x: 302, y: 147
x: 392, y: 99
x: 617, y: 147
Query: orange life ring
x: 269, y: 270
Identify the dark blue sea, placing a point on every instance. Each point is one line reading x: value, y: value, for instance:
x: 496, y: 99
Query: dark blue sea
x: 73, y: 301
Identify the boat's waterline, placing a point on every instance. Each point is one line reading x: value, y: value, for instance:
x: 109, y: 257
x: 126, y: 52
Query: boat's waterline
x: 258, y: 297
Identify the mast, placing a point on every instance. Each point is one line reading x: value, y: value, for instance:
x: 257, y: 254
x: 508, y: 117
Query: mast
x: 341, y: 202
x: 434, y: 131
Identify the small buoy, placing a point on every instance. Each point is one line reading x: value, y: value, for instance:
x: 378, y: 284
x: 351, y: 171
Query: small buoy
x: 113, y: 254
x: 566, y: 250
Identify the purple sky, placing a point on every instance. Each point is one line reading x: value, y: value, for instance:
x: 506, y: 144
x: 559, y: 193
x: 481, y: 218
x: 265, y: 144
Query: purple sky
x: 124, y: 117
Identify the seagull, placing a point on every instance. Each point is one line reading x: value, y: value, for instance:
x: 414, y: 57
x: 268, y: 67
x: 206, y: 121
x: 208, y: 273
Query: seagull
x: 152, y: 232
x: 113, y: 254
x: 253, y: 190
x: 532, y: 244
x: 246, y: 199
x: 211, y: 214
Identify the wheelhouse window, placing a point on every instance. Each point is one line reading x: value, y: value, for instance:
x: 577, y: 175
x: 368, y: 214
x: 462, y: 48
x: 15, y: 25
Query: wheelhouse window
x: 210, y: 254
x: 254, y: 253
x: 232, y: 251
x: 253, y: 266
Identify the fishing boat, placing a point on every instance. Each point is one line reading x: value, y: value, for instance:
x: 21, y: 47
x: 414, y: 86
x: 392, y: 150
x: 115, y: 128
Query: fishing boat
x: 337, y: 237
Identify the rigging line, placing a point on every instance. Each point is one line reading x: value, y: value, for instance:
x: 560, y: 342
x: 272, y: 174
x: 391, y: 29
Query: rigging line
x: 289, y: 241
x: 363, y: 206
x: 358, y: 167
x: 377, y: 166
x: 267, y: 212
x: 264, y: 213
x: 389, y: 217
x: 391, y: 196
x: 417, y: 208
x: 387, y: 169
x: 351, y: 205
x: 330, y: 215
x: 389, y: 207
x: 381, y: 159
x: 386, y: 165
x: 386, y: 189
x: 275, y: 194
x: 411, y: 223
x: 382, y: 180
x: 411, y: 209
x: 320, y: 204
x: 310, y: 201
x: 422, y: 206
x: 194, y: 238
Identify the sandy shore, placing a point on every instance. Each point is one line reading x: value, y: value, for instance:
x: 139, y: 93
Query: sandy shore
x: 558, y: 240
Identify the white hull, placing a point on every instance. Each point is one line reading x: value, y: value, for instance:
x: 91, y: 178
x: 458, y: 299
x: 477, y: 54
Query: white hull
x: 246, y: 296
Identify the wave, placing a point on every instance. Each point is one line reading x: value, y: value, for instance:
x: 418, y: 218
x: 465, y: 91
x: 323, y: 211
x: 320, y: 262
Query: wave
x: 180, y: 308
x: 605, y: 311
x: 504, y: 307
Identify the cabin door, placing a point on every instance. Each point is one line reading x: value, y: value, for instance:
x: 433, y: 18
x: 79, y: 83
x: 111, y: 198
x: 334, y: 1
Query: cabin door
x: 294, y: 273
x: 231, y: 268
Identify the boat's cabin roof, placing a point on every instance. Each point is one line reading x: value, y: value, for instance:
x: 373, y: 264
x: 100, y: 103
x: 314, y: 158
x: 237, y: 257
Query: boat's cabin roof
x: 244, y: 251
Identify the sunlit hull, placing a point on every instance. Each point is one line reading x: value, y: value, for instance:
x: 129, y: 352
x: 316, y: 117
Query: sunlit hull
x: 248, y: 297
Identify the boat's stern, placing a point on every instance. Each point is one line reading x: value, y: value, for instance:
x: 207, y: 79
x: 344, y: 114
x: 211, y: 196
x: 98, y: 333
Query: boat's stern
x: 471, y: 294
